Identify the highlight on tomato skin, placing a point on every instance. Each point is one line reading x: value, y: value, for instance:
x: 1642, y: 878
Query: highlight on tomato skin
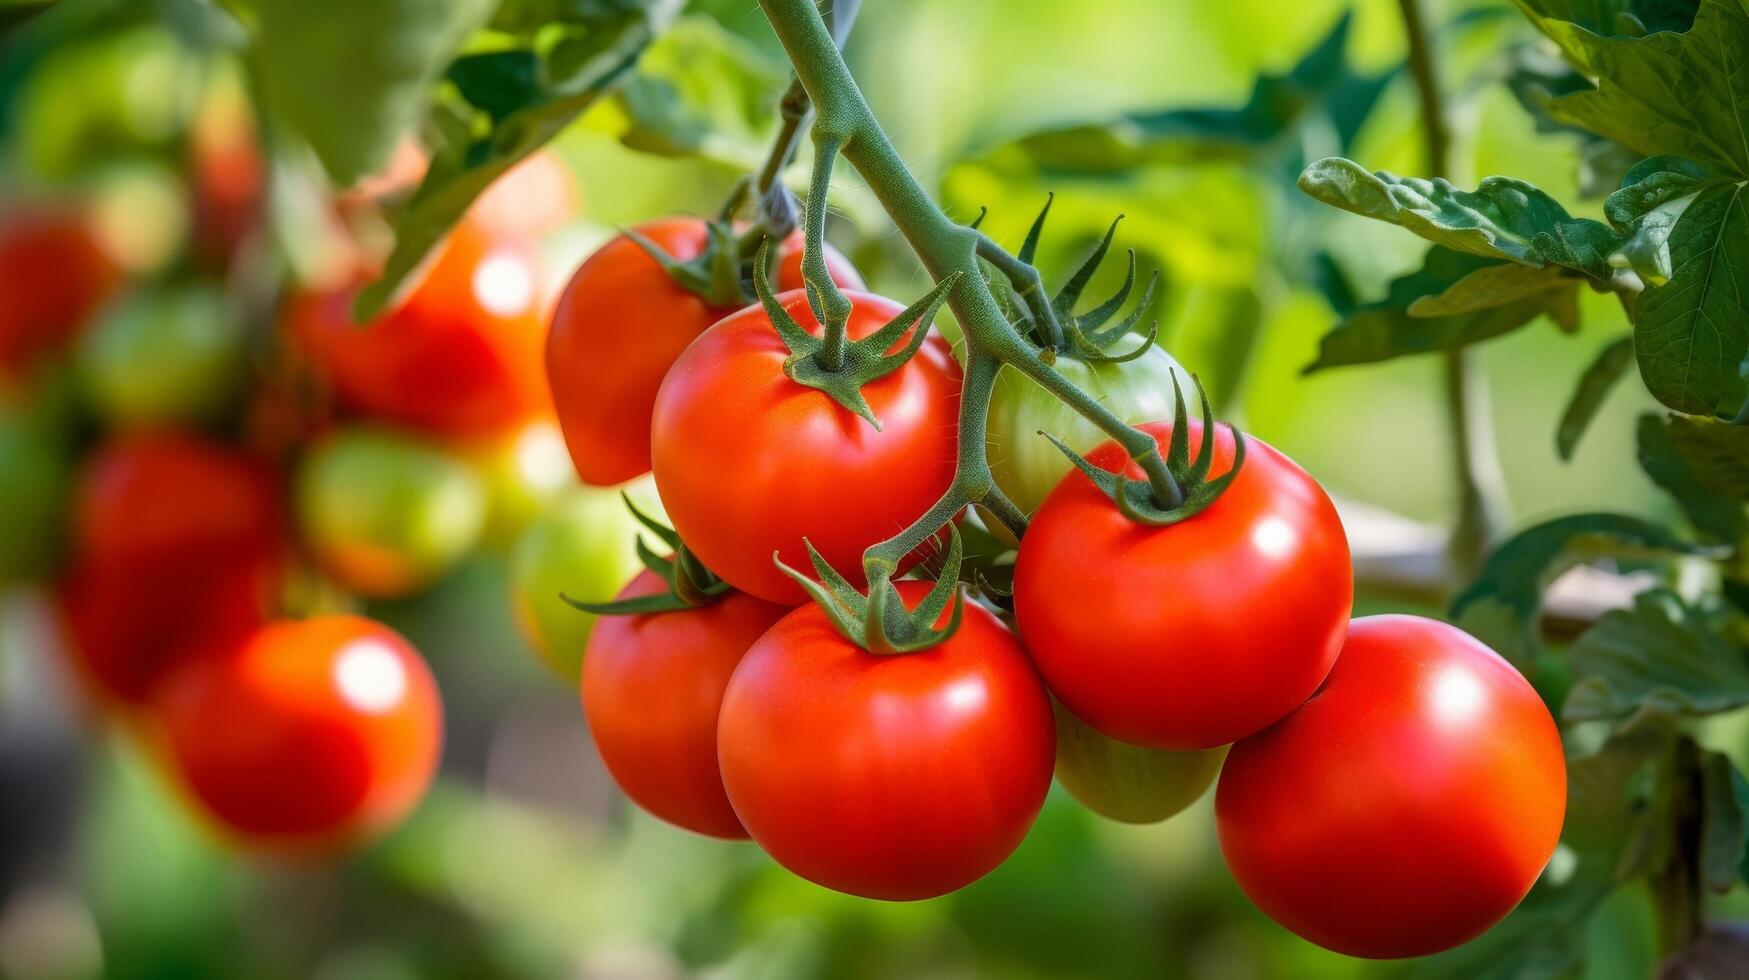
x: 1408, y: 806
x: 652, y: 688
x: 749, y: 462
x: 1195, y: 634
x: 619, y: 326
x: 308, y: 738
x: 897, y: 777
x: 459, y: 354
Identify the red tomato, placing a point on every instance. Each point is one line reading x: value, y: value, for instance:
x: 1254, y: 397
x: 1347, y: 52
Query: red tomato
x: 1408, y: 806
x: 460, y: 355
x: 534, y: 197
x: 229, y: 179
x: 310, y: 735
x: 749, y: 462
x: 53, y: 274
x: 619, y: 326
x: 652, y: 686
x: 896, y: 777
x: 1196, y: 634
x: 178, y: 544
x: 161, y: 501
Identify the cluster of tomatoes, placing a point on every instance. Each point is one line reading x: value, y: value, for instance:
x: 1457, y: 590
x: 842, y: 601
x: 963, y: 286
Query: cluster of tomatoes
x: 228, y: 481
x: 1387, y: 787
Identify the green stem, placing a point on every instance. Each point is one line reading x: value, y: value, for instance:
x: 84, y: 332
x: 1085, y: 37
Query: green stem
x: 835, y: 306
x: 1475, y: 459
x: 846, y: 124
x: 1028, y: 284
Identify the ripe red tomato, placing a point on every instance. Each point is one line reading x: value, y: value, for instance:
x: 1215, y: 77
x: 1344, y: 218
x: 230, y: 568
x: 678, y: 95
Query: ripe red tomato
x: 749, y: 462
x: 53, y: 275
x: 460, y: 355
x: 619, y: 326
x: 896, y: 777
x: 1408, y: 806
x: 534, y: 197
x: 161, y: 502
x: 310, y: 735
x: 178, y: 546
x: 1195, y: 634
x: 652, y: 686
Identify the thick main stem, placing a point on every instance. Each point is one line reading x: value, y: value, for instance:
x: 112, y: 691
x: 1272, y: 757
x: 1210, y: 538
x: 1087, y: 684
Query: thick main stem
x: 845, y: 122
x: 1475, y: 458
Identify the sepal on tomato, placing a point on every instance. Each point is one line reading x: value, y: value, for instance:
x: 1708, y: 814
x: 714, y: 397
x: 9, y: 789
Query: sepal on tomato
x: 864, y: 360
x: 879, y: 622
x: 714, y: 274
x: 1136, y: 498
x: 690, y: 583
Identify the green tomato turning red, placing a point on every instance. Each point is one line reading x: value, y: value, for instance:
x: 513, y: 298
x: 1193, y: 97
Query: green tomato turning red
x: 1025, y: 464
x: 1126, y: 782
x: 163, y: 355
x: 387, y: 513
x: 583, y: 547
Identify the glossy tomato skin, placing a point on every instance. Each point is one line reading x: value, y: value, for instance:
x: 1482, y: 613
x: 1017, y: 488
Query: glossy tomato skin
x: 749, y: 462
x: 459, y: 355
x: 309, y: 736
x: 1025, y: 464
x: 1128, y: 783
x: 53, y: 274
x: 1195, y: 634
x: 619, y: 326
x: 652, y: 687
x: 895, y: 777
x: 1408, y: 806
x: 178, y: 547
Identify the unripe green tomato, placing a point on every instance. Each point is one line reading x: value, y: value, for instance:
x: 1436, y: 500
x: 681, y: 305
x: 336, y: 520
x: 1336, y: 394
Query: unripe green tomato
x: 1126, y: 782
x: 583, y: 546
x: 36, y: 472
x: 386, y: 513
x: 161, y: 355
x: 1026, y: 465
x: 525, y: 472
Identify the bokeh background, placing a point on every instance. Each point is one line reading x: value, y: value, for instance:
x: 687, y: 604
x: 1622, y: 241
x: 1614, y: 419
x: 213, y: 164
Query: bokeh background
x: 524, y: 862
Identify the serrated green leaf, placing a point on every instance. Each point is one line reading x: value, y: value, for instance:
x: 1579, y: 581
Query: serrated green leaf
x: 1666, y: 92
x: 1518, y: 571
x: 1659, y: 658
x: 1504, y: 218
x: 1628, y: 18
x: 1718, y: 517
x: 351, y: 77
x: 1691, y: 334
x: 1717, y: 453
x: 1594, y: 386
x: 1653, y: 196
x: 1387, y: 329
x: 1489, y: 287
x: 528, y: 102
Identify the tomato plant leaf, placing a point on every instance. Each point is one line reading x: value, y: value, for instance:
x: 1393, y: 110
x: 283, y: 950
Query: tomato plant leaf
x: 1669, y: 466
x: 1516, y: 573
x: 1682, y: 93
x: 701, y: 91
x: 351, y: 78
x: 1724, y: 842
x: 1396, y: 326
x: 527, y: 94
x: 1717, y: 453
x: 1691, y: 333
x: 1595, y: 384
x: 1659, y: 658
x: 1653, y: 195
x: 1504, y: 218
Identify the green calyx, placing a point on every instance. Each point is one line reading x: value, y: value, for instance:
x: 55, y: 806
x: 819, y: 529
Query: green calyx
x: 690, y: 583
x: 879, y: 622
x: 714, y: 274
x: 859, y: 362
x: 1138, y: 500
x: 1050, y: 323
